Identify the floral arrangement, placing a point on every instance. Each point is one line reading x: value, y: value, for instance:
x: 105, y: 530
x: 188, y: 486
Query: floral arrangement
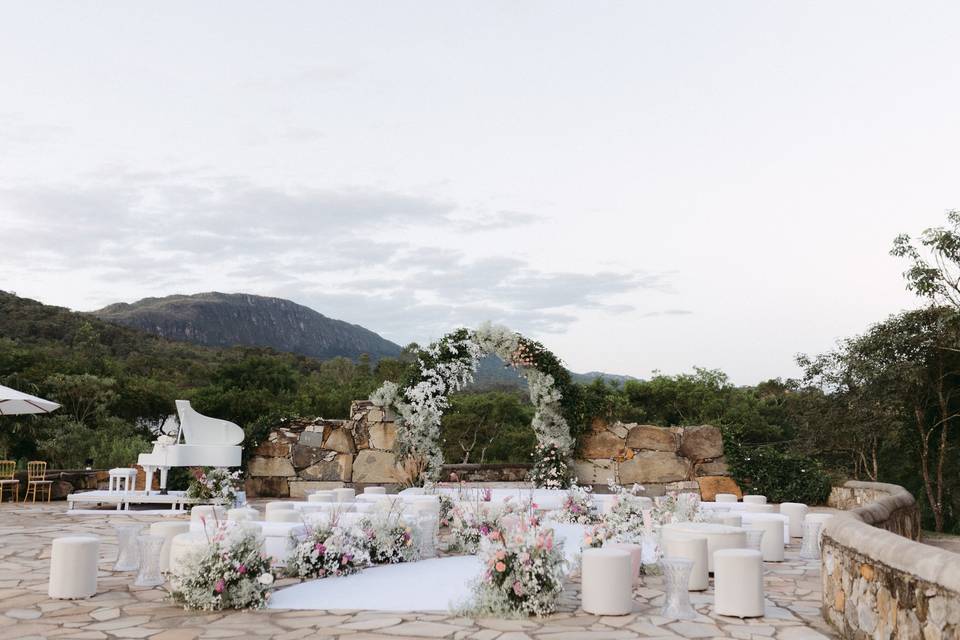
x: 446, y: 510
x: 447, y: 365
x: 218, y: 486
x: 330, y: 550
x: 578, y: 507
x: 550, y: 469
x: 595, y: 536
x: 674, y: 507
x: 389, y: 540
x: 625, y: 519
x: 524, y: 571
x: 471, y: 521
x: 231, y: 572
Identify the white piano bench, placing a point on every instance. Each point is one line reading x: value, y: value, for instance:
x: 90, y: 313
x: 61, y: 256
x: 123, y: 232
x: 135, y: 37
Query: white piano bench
x: 122, y: 479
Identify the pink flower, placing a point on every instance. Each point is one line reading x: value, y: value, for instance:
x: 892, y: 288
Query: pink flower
x: 242, y: 569
x: 220, y: 586
x: 518, y: 588
x: 500, y: 567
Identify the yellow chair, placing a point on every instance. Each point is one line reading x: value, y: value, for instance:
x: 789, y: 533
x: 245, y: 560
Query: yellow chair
x: 36, y: 474
x: 7, y: 469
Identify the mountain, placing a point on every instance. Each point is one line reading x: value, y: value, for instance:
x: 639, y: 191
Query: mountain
x: 232, y: 319
x: 241, y: 319
x: 590, y: 376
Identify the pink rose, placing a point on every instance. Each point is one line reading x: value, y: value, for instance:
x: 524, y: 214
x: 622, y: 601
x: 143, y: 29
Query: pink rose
x: 220, y: 586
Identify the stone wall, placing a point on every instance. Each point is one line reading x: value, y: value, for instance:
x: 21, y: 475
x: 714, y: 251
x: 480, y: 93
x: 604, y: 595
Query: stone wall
x: 65, y: 481
x: 303, y: 455
x: 877, y: 581
x: 650, y: 455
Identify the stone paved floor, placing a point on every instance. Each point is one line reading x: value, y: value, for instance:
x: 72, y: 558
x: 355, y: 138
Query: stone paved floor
x: 121, y: 610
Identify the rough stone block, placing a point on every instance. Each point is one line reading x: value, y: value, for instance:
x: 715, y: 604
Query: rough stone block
x: 270, y: 449
x: 304, y: 455
x: 311, y: 438
x: 339, y: 468
x: 653, y: 438
x: 710, y: 486
x: 701, y: 443
x: 716, y: 467
x: 383, y: 435
x: 270, y: 467
x: 594, y: 471
x: 266, y: 487
x: 601, y: 444
x: 341, y: 441
x: 374, y: 466
x: 653, y: 466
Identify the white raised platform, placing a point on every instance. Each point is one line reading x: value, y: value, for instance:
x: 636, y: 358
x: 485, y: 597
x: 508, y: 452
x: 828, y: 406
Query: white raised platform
x: 428, y: 585
x: 177, y: 500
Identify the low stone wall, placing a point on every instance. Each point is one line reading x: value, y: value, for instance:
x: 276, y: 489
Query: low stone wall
x: 66, y: 481
x: 308, y: 454
x: 878, y: 582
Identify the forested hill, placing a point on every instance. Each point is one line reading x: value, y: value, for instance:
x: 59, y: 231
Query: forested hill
x: 240, y: 319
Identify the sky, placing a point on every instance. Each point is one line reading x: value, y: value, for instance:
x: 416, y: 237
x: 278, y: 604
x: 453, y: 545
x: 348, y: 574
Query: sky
x: 643, y: 186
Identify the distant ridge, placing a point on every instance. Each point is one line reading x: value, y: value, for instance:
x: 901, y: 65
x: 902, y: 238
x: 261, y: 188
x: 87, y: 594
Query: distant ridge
x: 241, y: 319
x: 230, y: 319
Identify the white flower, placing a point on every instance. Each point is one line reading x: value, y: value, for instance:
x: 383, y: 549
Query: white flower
x: 265, y: 579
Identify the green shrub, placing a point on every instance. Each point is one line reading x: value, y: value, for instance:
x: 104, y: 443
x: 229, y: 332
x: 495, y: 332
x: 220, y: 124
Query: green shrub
x: 781, y: 476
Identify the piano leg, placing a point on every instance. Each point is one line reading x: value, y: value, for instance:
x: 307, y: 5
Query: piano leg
x: 163, y: 480
x: 148, y: 478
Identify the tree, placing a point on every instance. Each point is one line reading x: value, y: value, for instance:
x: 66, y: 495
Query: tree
x: 900, y: 377
x: 934, y: 271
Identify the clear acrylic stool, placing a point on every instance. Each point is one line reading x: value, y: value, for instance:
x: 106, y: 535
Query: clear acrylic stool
x: 676, y: 597
x: 810, y: 548
x: 149, y: 574
x: 128, y: 555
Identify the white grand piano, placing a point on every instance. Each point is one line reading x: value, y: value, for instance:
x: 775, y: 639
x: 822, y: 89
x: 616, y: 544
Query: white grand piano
x: 207, y: 442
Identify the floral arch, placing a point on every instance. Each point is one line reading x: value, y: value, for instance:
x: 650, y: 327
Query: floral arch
x: 448, y: 365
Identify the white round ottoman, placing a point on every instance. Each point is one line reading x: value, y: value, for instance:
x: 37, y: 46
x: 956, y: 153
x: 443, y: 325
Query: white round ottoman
x: 751, y: 519
x: 181, y: 547
x: 168, y: 530
x: 693, y: 548
x: 374, y: 498
x: 243, y: 514
x: 284, y: 515
x: 636, y: 555
x: 756, y: 507
x: 725, y: 497
x: 772, y: 544
x: 320, y: 496
x: 731, y: 519
x: 277, y: 506
x: 344, y: 494
x: 795, y: 511
x: 364, y: 507
x: 73, y: 567
x: 719, y: 536
x: 606, y: 583
x: 755, y: 499
x: 738, y: 583
x: 375, y: 490
x: 210, y: 513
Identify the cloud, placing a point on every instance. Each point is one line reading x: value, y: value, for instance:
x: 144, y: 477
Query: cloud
x: 335, y: 250
x: 496, y: 221
x: 667, y: 312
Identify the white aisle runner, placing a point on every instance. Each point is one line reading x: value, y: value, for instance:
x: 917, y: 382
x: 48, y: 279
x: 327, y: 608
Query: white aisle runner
x: 427, y: 585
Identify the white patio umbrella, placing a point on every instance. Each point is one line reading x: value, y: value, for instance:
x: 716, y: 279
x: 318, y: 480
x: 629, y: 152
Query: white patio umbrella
x: 13, y: 402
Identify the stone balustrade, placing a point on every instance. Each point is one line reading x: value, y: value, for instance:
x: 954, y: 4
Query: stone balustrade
x: 878, y: 580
